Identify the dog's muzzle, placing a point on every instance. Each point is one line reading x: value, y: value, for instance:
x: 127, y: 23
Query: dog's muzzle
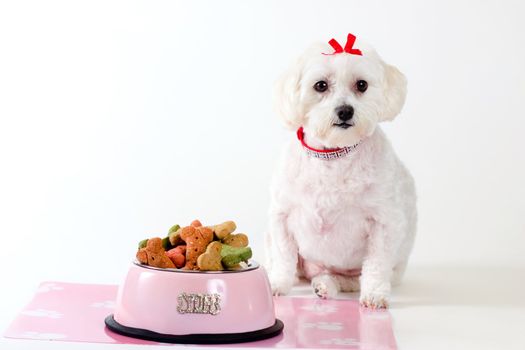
x: 345, y: 113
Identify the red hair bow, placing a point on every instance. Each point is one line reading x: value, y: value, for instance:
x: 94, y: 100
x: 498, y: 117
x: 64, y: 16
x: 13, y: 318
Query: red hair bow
x: 350, y: 40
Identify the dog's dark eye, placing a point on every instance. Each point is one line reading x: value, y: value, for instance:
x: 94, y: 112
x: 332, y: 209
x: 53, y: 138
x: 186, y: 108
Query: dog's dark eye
x: 361, y: 85
x: 321, y: 86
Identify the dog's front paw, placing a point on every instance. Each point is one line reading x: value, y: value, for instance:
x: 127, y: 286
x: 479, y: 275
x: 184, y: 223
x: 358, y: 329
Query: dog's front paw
x: 325, y: 287
x: 374, y: 293
x: 374, y: 301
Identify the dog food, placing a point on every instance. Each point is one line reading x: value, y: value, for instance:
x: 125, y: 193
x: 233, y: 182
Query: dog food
x: 154, y: 255
x: 197, y: 247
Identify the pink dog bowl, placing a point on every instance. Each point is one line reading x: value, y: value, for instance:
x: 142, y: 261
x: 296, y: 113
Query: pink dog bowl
x: 193, y: 307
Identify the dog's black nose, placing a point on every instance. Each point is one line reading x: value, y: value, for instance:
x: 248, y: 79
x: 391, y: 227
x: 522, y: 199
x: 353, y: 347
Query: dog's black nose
x: 345, y: 112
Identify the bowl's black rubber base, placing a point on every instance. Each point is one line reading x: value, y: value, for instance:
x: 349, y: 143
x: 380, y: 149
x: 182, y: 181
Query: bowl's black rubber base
x: 226, y: 338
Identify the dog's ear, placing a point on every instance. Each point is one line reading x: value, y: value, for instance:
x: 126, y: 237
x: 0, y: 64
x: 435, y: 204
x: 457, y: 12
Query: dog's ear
x: 287, y: 93
x: 395, y: 90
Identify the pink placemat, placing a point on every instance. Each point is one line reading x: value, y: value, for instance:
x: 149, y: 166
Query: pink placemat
x: 76, y: 312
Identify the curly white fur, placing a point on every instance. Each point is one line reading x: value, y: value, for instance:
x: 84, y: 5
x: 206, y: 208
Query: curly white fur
x: 349, y: 223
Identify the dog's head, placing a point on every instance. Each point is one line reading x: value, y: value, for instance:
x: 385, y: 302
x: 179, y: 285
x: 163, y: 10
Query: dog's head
x: 340, y: 98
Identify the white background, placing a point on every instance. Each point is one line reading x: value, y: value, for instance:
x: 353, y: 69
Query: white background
x: 119, y: 119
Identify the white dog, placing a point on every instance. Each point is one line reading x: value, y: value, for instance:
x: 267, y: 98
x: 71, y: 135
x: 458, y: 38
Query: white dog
x: 343, y: 211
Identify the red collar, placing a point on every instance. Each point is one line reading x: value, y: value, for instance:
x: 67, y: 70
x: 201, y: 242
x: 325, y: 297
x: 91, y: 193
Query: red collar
x: 326, y: 154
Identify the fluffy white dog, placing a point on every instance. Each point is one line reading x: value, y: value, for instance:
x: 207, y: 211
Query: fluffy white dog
x: 343, y: 211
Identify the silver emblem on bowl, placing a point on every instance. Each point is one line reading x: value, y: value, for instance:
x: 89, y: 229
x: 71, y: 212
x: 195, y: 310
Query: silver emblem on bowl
x: 199, y: 303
